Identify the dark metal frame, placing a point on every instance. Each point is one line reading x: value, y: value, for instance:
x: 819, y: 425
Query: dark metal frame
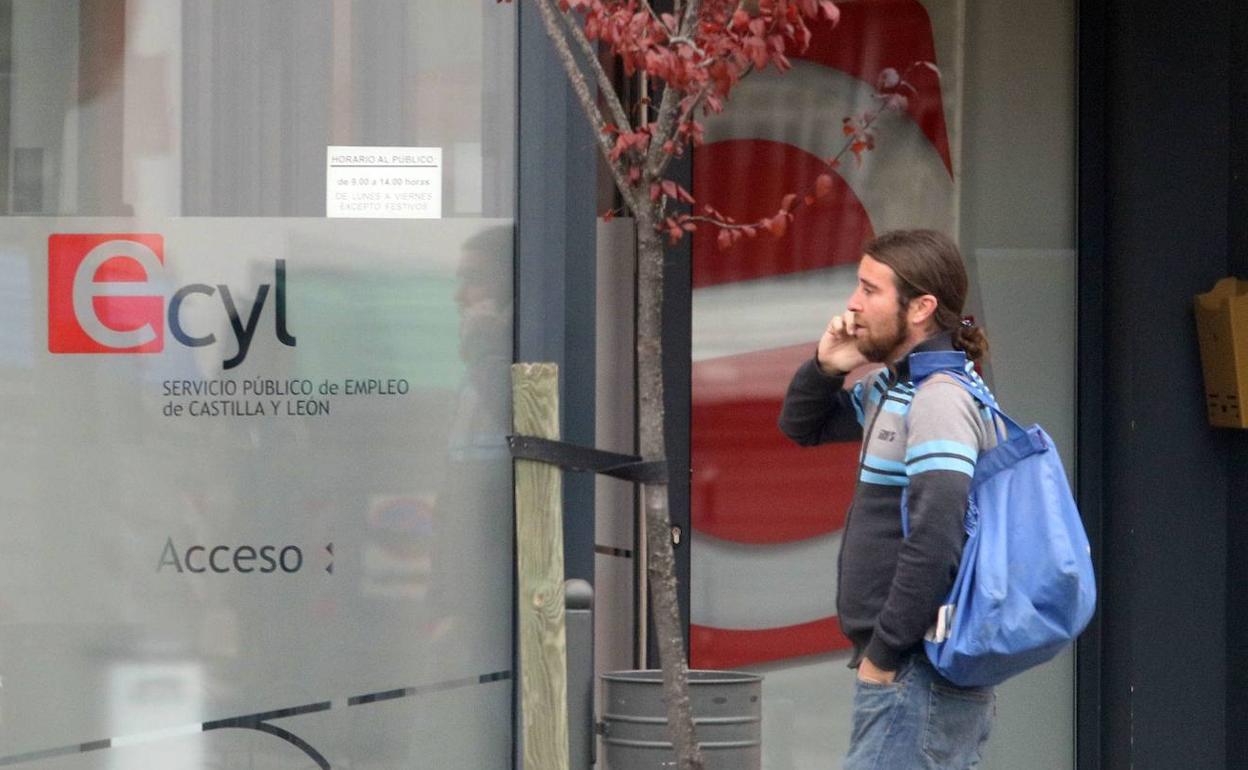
x: 1237, y: 525
x: 1092, y: 137
x: 555, y: 269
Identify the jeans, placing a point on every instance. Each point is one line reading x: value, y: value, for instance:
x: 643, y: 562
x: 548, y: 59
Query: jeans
x: 919, y: 722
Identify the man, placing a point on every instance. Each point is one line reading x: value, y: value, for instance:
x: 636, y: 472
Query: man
x: 919, y: 450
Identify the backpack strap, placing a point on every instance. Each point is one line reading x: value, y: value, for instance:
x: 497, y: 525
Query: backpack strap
x: 981, y: 394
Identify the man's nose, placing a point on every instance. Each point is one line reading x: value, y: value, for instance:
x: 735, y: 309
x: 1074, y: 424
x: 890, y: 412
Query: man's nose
x: 855, y: 302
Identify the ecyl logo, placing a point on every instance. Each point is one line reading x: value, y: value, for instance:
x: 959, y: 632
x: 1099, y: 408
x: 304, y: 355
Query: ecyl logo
x: 102, y: 298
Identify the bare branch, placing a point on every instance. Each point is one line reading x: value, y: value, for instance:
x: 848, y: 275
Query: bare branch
x: 682, y: 40
x: 643, y: 82
x: 720, y: 223
x: 664, y: 130
x: 689, y: 19
x: 686, y: 114
x: 646, y: 4
x: 554, y: 31
x: 657, y: 158
x: 605, y: 86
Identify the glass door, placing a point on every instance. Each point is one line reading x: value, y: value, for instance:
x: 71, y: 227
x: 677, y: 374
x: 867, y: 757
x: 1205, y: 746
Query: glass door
x: 258, y: 320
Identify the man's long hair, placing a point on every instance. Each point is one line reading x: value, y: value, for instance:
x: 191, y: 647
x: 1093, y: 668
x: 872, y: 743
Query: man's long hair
x: 928, y: 262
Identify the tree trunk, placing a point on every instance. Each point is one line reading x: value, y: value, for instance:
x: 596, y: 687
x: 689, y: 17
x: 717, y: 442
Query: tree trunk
x: 661, y: 562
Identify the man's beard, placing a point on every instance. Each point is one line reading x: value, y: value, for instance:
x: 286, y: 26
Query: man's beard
x: 880, y: 349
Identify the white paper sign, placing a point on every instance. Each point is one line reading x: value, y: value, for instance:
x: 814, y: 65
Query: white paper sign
x: 384, y: 182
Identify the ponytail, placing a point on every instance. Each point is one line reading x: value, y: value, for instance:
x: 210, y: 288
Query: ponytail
x: 971, y: 340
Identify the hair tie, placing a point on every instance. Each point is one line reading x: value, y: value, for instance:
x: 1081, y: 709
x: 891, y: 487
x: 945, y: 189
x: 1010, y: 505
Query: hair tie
x: 968, y: 322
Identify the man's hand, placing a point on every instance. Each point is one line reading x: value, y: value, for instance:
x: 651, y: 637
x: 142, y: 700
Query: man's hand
x: 838, y: 350
x: 873, y: 674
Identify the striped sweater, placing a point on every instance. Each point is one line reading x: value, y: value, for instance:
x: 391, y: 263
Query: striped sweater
x: 921, y: 446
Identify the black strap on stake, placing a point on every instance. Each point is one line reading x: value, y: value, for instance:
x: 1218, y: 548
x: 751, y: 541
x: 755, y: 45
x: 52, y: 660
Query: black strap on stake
x: 578, y: 458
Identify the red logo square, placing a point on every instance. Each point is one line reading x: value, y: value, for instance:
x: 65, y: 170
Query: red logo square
x: 101, y: 293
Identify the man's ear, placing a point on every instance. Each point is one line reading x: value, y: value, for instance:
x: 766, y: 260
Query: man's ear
x: 922, y: 309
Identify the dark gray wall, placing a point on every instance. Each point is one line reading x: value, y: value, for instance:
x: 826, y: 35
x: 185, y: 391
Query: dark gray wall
x: 1158, y: 485
x: 555, y: 261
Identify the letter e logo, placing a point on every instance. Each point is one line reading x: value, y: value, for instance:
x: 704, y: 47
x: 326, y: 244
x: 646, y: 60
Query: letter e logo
x: 101, y: 298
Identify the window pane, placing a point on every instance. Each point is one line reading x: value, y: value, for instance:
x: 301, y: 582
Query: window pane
x: 984, y: 152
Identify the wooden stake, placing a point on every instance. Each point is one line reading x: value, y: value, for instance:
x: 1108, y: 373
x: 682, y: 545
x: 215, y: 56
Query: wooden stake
x: 539, y: 549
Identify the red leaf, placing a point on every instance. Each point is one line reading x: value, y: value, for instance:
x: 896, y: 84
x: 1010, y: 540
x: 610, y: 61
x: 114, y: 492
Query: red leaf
x: 823, y: 186
x: 787, y: 203
x: 888, y: 78
x: 777, y: 225
x: 724, y: 239
x: 802, y: 38
x: 897, y: 102
x: 654, y: 64
x: 608, y: 215
x: 756, y: 49
x: 830, y: 11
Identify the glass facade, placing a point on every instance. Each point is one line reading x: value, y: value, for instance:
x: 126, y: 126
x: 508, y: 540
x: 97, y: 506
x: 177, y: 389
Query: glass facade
x: 256, y: 313
x: 258, y: 322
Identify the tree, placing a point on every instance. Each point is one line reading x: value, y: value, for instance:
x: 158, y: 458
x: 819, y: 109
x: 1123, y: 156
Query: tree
x: 691, y: 57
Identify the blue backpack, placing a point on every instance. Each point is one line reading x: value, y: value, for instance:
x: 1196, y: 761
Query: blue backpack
x: 1025, y: 587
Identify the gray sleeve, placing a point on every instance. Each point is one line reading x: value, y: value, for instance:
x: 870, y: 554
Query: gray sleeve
x: 945, y: 433
x: 817, y: 409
